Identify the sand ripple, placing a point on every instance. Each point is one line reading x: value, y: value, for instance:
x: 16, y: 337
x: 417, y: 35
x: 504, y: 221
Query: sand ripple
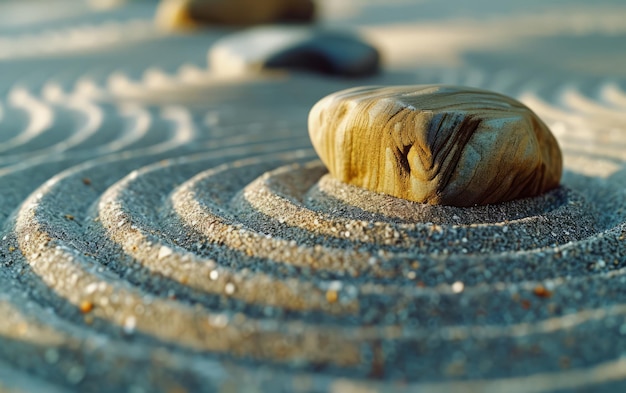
x: 167, y: 229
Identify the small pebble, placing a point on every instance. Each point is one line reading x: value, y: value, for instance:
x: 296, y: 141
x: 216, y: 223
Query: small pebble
x: 85, y: 306
x: 458, y: 287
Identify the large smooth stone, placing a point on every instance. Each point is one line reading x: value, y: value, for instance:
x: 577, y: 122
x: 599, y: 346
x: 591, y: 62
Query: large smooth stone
x: 292, y: 47
x: 184, y: 14
x: 433, y: 144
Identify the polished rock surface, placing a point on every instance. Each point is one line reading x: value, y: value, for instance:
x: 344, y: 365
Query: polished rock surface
x: 441, y: 145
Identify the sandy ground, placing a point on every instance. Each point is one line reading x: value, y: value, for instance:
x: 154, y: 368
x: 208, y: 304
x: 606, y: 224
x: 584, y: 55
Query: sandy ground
x: 168, y: 229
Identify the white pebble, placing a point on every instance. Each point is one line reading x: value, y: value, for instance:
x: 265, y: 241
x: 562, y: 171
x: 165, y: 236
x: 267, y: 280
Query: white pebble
x: 164, y: 252
x: 458, y: 287
x: 129, y: 324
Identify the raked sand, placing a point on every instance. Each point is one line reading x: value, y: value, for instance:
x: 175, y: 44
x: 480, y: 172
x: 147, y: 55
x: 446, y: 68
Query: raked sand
x: 165, y: 229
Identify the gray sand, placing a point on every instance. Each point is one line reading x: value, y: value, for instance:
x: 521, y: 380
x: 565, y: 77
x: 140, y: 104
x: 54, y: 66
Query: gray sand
x: 168, y: 230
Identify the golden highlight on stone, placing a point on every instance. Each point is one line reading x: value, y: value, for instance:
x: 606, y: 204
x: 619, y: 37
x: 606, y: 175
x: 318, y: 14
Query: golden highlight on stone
x: 435, y: 144
x: 189, y: 14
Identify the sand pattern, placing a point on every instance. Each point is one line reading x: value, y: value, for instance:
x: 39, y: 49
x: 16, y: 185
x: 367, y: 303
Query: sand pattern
x: 164, y: 229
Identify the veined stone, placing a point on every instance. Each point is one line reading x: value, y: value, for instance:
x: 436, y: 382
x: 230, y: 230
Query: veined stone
x: 436, y: 144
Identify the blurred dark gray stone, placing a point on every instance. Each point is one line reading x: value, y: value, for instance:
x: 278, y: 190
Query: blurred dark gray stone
x: 296, y: 48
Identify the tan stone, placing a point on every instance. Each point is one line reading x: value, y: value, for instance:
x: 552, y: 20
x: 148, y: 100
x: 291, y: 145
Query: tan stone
x: 435, y: 144
x: 185, y: 14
